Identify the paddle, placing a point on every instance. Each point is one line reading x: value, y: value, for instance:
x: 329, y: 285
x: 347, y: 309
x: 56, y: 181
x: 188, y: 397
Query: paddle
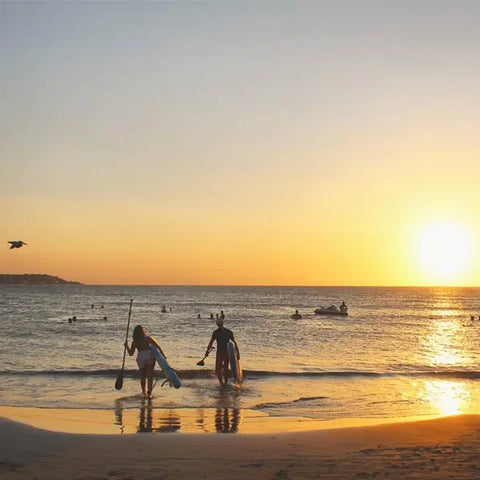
x: 119, y: 382
x: 201, y: 363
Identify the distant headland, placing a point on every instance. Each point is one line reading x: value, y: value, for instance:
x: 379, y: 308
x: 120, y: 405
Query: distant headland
x: 33, y: 279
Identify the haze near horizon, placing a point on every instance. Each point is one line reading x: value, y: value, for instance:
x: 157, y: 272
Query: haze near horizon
x: 241, y: 143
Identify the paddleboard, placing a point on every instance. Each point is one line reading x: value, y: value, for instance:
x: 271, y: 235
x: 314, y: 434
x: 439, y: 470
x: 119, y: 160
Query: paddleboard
x: 234, y: 363
x: 170, y: 374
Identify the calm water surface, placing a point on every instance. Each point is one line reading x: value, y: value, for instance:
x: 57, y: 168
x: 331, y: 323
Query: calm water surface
x: 401, y: 352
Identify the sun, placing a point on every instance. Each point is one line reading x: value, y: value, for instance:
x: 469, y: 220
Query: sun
x: 444, y: 250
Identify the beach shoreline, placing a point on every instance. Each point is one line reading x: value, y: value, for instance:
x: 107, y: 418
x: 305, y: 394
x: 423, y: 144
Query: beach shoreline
x: 445, y: 447
x: 148, y: 419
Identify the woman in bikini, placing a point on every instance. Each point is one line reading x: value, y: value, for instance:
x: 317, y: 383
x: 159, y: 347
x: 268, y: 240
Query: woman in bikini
x: 145, y: 357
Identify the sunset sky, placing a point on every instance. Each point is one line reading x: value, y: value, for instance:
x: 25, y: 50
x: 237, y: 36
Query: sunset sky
x: 241, y: 142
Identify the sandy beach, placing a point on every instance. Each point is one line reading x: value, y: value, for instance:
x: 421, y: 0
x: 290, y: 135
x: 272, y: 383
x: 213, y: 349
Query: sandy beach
x: 429, y: 449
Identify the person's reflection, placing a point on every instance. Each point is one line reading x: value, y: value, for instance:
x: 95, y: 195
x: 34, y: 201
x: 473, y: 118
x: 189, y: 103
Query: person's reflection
x: 162, y: 422
x: 119, y: 415
x: 223, y: 422
x: 146, y: 419
x: 200, y: 421
x: 149, y: 420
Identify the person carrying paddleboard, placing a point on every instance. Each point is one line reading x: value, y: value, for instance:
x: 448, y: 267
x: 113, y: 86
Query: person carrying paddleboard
x: 145, y: 357
x: 222, y: 336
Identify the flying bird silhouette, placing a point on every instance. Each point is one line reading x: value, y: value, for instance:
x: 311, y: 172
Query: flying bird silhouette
x: 16, y: 244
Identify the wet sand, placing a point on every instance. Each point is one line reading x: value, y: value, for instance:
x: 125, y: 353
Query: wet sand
x: 179, y: 420
x: 445, y: 447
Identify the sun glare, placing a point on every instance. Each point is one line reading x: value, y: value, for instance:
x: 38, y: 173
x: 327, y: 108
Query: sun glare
x: 444, y: 250
x: 449, y: 398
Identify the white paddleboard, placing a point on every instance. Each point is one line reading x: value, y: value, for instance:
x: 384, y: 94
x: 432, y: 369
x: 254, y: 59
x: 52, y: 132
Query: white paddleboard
x: 234, y: 363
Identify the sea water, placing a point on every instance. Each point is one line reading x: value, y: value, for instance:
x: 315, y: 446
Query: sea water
x: 401, y: 352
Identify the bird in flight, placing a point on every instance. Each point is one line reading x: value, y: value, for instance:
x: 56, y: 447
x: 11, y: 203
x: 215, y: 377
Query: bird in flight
x: 16, y: 244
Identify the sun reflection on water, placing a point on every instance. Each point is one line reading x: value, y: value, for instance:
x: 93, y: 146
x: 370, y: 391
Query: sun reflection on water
x: 444, y: 344
x: 447, y: 397
x: 443, y: 340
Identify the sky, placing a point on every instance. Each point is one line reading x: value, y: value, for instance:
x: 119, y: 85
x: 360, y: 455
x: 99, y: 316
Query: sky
x: 241, y: 142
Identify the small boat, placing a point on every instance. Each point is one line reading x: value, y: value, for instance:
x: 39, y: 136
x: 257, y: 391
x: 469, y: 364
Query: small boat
x: 331, y: 310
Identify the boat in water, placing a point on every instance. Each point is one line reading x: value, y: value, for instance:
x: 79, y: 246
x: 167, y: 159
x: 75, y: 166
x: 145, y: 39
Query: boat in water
x: 332, y: 310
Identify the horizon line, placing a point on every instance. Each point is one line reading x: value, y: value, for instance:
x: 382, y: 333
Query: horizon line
x: 266, y: 285
x: 78, y: 282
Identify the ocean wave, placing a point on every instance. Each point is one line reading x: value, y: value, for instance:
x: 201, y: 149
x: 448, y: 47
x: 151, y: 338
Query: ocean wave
x: 253, y: 374
x: 306, y: 400
x: 106, y: 373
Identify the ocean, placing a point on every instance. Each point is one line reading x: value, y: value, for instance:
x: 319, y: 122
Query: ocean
x: 401, y: 352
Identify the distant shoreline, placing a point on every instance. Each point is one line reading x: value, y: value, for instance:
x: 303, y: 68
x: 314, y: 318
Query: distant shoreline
x: 33, y: 279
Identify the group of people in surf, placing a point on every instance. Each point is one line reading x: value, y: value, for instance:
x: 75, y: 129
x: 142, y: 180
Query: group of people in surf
x: 74, y: 319
x: 146, y: 359
x: 220, y: 315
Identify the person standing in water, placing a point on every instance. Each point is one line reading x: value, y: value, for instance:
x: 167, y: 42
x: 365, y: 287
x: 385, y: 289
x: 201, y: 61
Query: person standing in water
x: 145, y: 357
x: 222, y: 336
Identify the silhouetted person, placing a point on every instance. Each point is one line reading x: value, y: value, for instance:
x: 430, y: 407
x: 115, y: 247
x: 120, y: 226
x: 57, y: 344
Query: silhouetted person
x: 145, y: 357
x: 222, y: 336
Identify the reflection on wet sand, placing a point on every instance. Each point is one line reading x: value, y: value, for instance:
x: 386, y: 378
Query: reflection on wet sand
x: 149, y: 419
x: 157, y: 420
x: 227, y: 420
x: 119, y: 415
x: 447, y: 397
x: 227, y: 413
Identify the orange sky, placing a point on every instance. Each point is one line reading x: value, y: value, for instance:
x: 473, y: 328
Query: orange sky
x: 276, y: 143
